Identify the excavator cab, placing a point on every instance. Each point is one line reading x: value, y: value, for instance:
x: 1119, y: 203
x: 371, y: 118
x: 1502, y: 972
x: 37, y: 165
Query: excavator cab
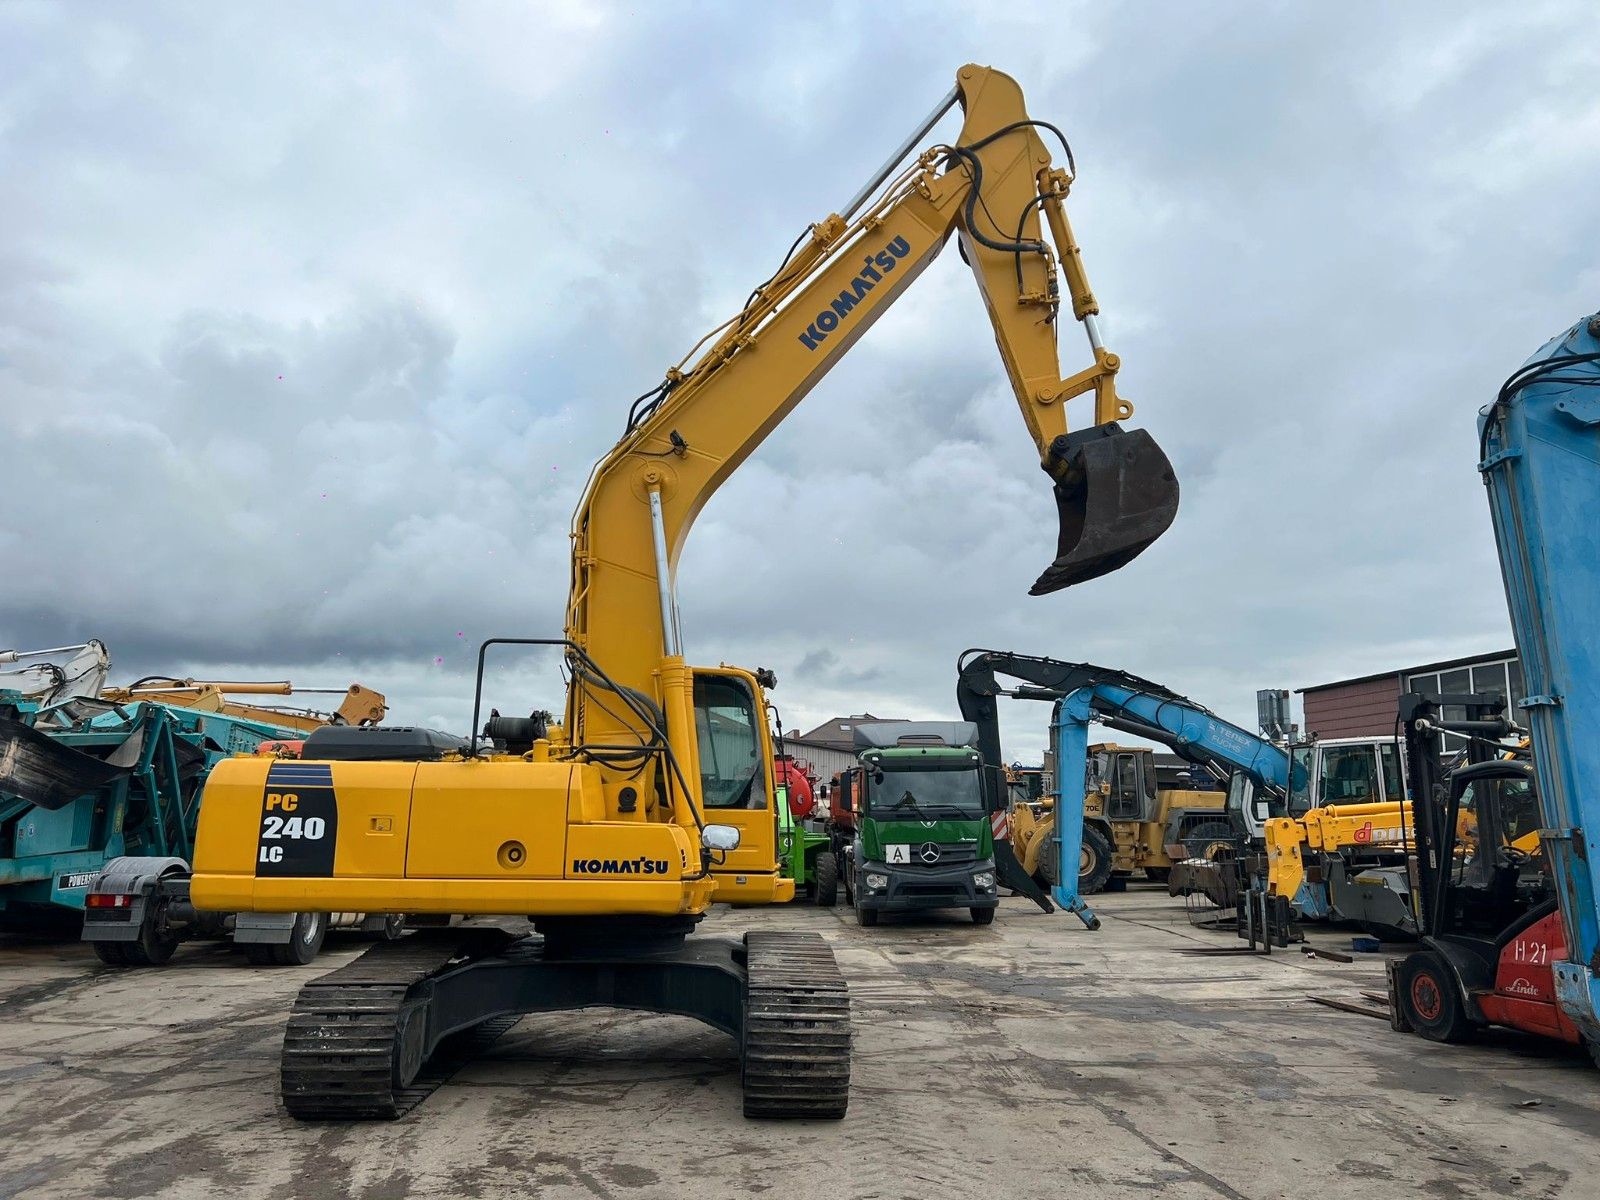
x: 1115, y: 494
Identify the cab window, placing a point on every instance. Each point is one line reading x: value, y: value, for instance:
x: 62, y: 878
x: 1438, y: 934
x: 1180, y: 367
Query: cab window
x: 732, y: 774
x: 1300, y: 780
x: 1349, y: 775
x: 1393, y: 787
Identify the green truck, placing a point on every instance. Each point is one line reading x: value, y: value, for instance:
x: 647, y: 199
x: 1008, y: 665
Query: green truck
x: 907, y: 823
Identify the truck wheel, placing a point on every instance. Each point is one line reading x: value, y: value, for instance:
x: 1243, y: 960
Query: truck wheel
x: 155, y: 945
x: 983, y: 916
x: 866, y: 916
x: 1432, y: 1002
x: 1094, y: 861
x: 302, y: 948
x: 826, y: 880
x: 305, y: 940
x: 394, y: 927
x: 111, y: 953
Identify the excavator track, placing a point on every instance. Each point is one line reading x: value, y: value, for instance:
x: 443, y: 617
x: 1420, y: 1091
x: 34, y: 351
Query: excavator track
x: 352, y: 1047
x: 796, y: 1053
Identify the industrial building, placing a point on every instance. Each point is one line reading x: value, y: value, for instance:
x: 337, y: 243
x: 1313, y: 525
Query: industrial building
x: 1365, y: 706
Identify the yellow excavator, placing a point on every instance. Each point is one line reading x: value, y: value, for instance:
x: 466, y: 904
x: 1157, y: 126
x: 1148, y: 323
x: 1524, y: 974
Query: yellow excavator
x: 612, y: 828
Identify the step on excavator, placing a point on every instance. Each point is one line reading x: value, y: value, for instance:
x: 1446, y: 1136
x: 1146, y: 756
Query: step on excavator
x: 611, y: 828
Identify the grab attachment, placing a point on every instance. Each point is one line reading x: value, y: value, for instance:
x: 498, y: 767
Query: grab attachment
x: 1115, y: 494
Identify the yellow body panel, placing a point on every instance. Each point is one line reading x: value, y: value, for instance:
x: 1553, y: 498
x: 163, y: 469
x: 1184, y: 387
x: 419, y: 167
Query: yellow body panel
x: 766, y: 887
x: 496, y: 836
x: 1329, y: 830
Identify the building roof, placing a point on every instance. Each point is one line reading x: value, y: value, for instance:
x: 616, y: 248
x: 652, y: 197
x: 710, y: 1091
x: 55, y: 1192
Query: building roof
x: 1446, y: 665
x: 839, y: 733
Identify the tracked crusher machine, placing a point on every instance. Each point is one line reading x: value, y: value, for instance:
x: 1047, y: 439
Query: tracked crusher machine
x: 612, y: 827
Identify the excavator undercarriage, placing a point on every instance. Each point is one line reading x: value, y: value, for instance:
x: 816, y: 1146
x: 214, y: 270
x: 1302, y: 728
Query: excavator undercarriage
x: 374, y: 1038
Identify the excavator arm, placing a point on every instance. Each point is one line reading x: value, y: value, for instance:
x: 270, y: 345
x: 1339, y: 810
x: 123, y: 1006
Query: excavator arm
x: 1083, y: 693
x: 1114, y: 488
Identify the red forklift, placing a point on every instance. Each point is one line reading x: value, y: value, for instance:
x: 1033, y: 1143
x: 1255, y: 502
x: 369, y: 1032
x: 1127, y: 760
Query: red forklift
x: 1491, y: 931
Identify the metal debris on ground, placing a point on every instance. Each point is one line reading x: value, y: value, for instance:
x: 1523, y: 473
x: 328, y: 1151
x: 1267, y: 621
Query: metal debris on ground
x: 1365, y: 1010
x: 1330, y: 955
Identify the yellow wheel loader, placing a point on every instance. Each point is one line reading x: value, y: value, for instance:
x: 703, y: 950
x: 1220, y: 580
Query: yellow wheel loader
x: 613, y: 828
x: 1129, y: 821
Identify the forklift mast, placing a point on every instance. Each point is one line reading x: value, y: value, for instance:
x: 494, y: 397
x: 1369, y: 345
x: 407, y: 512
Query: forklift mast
x: 1539, y: 457
x: 1435, y: 805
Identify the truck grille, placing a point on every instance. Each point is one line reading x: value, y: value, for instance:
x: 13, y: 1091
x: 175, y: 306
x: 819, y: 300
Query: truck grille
x: 934, y: 855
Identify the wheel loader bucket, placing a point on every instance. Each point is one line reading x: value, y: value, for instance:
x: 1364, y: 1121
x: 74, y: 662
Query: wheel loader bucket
x: 1115, y: 493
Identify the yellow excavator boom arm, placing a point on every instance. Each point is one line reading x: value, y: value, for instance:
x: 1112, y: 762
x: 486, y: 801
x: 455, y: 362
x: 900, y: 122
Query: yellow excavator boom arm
x: 708, y: 417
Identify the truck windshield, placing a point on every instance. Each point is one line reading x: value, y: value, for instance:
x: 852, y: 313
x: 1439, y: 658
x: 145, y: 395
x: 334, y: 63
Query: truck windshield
x: 925, y: 795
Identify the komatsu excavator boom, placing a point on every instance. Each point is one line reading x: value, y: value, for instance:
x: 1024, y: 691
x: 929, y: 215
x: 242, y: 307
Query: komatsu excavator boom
x: 613, y: 829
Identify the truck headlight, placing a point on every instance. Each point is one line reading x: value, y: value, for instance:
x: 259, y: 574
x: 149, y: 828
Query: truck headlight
x: 877, y: 882
x: 983, y: 880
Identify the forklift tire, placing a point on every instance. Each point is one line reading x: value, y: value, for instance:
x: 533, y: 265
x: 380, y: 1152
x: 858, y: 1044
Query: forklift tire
x: 1094, y: 862
x: 1431, y: 999
x: 866, y: 916
x: 983, y: 916
x: 825, y: 880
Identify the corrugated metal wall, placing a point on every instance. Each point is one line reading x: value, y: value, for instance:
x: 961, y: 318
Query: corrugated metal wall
x: 1353, y: 709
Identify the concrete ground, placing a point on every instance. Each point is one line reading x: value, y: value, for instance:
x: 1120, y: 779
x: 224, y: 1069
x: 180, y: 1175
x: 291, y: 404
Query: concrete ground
x: 1028, y: 1059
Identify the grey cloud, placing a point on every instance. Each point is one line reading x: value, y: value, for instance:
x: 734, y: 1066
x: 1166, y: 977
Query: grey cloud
x: 465, y: 238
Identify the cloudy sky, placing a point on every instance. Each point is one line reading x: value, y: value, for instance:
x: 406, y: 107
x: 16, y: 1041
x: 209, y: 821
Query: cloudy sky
x: 312, y: 320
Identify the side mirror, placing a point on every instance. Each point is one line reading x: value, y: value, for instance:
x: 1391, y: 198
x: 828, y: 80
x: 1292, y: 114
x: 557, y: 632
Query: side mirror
x: 720, y: 837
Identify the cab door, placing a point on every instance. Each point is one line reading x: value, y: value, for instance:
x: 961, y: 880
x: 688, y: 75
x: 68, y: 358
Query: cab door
x: 737, y: 785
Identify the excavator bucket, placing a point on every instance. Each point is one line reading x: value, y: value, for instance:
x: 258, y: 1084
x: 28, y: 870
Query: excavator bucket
x: 1115, y: 492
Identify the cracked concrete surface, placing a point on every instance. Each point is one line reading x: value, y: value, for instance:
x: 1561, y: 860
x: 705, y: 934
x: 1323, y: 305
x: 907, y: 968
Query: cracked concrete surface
x: 1028, y: 1059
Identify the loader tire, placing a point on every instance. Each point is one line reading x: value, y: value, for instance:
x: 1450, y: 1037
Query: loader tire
x: 1158, y: 874
x: 1094, y: 862
x: 826, y: 880
x: 1210, y: 840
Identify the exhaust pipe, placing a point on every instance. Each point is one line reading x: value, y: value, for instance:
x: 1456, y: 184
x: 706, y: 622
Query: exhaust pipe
x: 1115, y: 494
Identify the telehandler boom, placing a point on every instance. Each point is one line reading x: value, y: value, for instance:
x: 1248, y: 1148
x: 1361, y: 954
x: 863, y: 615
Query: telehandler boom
x: 611, y: 829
